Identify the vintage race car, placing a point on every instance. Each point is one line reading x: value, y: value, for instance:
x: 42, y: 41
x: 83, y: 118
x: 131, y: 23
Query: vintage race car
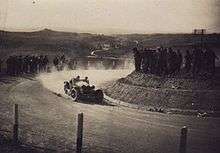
x: 82, y: 91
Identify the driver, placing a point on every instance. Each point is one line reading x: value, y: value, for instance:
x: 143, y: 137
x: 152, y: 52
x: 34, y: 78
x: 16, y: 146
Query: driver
x: 86, y: 80
x: 75, y: 80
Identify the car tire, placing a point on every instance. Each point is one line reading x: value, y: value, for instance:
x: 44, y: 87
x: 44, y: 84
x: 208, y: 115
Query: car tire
x: 99, y: 96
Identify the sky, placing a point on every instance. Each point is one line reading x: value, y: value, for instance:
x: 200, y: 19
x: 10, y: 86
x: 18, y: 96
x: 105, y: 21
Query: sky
x: 111, y: 16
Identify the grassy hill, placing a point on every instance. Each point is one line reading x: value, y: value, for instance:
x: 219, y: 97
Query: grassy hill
x: 51, y: 41
x: 81, y: 44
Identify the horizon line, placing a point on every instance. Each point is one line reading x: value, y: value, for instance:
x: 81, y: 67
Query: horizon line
x: 96, y: 33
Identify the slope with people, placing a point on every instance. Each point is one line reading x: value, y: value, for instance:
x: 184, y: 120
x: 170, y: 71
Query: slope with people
x: 166, y: 78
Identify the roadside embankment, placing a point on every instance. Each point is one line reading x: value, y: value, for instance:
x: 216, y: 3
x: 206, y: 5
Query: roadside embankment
x: 153, y: 91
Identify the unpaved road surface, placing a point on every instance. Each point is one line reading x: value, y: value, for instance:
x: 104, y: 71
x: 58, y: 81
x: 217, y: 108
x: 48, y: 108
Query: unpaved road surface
x: 49, y: 121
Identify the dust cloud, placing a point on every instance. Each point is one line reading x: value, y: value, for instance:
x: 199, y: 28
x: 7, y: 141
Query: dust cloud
x: 54, y: 81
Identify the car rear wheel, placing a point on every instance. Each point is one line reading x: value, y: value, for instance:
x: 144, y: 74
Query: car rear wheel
x: 99, y: 96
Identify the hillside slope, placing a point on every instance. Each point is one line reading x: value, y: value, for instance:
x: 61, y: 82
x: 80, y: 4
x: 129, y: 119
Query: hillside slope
x: 47, y: 41
x: 149, y: 90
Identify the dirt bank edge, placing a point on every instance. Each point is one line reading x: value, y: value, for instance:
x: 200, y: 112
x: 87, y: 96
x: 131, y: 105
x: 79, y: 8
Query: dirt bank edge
x: 177, y: 100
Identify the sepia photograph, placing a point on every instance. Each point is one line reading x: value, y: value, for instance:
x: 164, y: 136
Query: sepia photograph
x: 109, y: 76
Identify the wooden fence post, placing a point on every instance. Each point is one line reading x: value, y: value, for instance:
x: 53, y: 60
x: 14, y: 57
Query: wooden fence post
x: 79, y: 133
x: 183, y: 140
x: 15, y: 127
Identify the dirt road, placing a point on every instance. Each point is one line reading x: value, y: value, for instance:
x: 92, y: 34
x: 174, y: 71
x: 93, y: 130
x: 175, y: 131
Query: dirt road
x: 50, y: 121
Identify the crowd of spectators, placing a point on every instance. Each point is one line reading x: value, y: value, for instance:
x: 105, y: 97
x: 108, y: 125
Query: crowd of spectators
x: 18, y: 65
x: 167, y: 61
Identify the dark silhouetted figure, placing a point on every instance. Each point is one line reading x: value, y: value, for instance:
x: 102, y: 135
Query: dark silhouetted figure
x: 163, y: 61
x: 160, y: 61
x: 15, y: 65
x: 8, y: 64
x: 56, y: 62
x: 20, y: 65
x: 40, y: 63
x: 151, y: 61
x: 45, y: 63
x: 62, y: 58
x: 179, y: 61
x: 197, y: 63
x: 172, y: 56
x: 157, y: 62
x: 137, y: 59
x: 145, y: 61
x: 204, y: 61
x: 188, y: 61
x: 33, y: 64
x: 211, y: 57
